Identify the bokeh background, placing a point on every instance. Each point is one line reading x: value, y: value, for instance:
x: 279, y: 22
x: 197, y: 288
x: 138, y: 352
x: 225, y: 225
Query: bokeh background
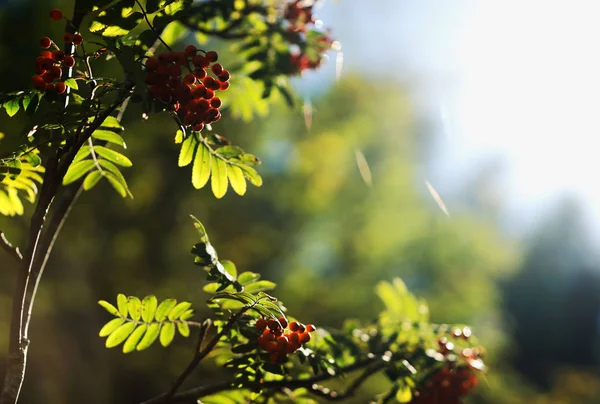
x: 493, y: 103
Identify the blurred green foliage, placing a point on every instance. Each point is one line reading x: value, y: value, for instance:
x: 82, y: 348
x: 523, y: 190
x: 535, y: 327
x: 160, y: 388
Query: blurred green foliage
x: 327, y: 237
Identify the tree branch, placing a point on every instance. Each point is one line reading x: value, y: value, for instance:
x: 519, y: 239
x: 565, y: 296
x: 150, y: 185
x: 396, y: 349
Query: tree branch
x: 13, y: 251
x: 373, y: 364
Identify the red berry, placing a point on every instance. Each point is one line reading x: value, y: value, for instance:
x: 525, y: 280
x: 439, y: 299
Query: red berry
x: 224, y: 76
x: 294, y: 326
x: 174, y: 70
x: 274, y: 324
x: 198, y: 127
x: 200, y: 73
x: 38, y: 83
x: 216, y: 103
x: 216, y: 68
x: 271, y: 346
x: 224, y: 86
x: 304, y: 337
x: 175, y: 82
x: 47, y: 54
x: 45, y: 42
x: 200, y: 61
x: 189, y: 79
x: 60, y: 87
x: 68, y: 61
x: 56, y: 72
x: 56, y: 14
x: 151, y: 64
x: 310, y: 328
x: 77, y: 39
x: 50, y: 88
x: 209, y: 94
x: 212, y: 56
x: 190, y: 50
x: 67, y: 38
x: 58, y: 55
x: 39, y: 69
x: 210, y: 83
x: 179, y: 58
x: 282, y: 320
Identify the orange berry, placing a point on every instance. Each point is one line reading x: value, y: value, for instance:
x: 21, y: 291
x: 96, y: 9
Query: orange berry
x: 224, y: 76
x: 304, y: 337
x: 60, y: 87
x: 56, y: 14
x: 216, y: 68
x: 77, y: 39
x: 46, y: 55
x: 261, y: 323
x: 212, y: 56
x: 294, y: 326
x: 38, y: 83
x: 189, y: 79
x: 190, y: 50
x: 57, y: 55
x: 282, y: 341
x: 310, y: 328
x: 271, y: 346
x: 68, y: 38
x: 45, y: 42
x: 294, y: 338
x: 68, y: 61
x: 151, y: 64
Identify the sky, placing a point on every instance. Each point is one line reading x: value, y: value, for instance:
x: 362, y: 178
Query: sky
x: 515, y: 82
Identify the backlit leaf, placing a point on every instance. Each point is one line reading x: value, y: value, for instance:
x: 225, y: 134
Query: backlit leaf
x: 113, y: 156
x: 120, y: 334
x: 236, y: 179
x: 149, y: 305
x: 134, y: 338
x: 110, y: 308
x: 134, y: 306
x: 164, y: 308
x: 150, y: 336
x: 111, y: 326
x: 77, y: 170
x: 179, y: 310
x: 219, y: 177
x: 167, y: 333
x: 202, y: 166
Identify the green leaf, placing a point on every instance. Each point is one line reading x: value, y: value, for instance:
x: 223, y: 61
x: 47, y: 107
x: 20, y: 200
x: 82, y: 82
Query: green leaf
x: 219, y: 177
x: 110, y: 308
x: 248, y: 277
x: 259, y: 286
x: 179, y: 310
x: 173, y: 32
x: 111, y: 122
x: 167, y: 333
x: 120, y: 334
x: 26, y: 101
x: 134, y: 338
x: 253, y: 176
x: 116, y: 183
x: 186, y: 154
x: 77, y: 170
x: 202, y: 164
x: 70, y: 82
x: 164, y: 308
x: 404, y: 394
x: 114, y: 170
x: 111, y: 326
x: 122, y: 304
x: 236, y: 179
x: 230, y: 268
x: 187, y: 314
x: 91, y: 180
x: 113, y: 156
x: 149, y: 337
x: 134, y: 306
x: 109, y: 136
x: 149, y: 308
x: 184, y: 329
x: 82, y: 153
x: 12, y: 106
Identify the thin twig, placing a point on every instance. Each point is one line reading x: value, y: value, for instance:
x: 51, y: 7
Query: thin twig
x: 152, y: 27
x: 9, y: 248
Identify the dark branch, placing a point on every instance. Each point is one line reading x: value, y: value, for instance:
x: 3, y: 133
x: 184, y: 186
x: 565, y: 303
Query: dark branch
x: 191, y: 396
x: 9, y: 248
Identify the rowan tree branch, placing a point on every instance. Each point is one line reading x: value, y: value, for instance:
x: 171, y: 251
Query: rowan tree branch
x: 371, y: 366
x: 11, y: 250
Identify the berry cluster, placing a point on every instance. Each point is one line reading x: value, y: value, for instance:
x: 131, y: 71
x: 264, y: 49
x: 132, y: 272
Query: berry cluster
x: 312, y: 45
x: 447, y: 386
x: 298, y: 13
x: 48, y: 66
x: 279, y: 343
x: 193, y: 95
